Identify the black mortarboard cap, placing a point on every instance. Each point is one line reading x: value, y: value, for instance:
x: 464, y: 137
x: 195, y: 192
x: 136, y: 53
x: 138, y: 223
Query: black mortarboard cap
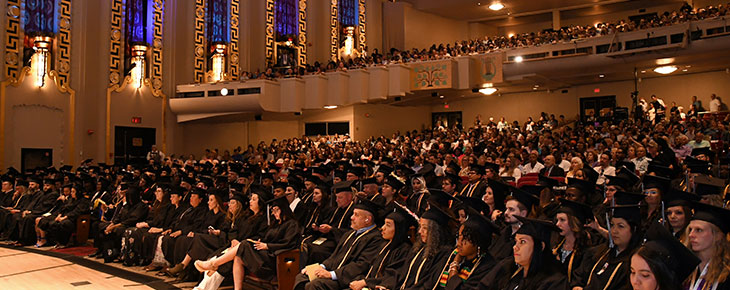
x: 341, y: 174
x: 437, y: 215
x: 369, y: 181
x: 675, y: 197
x: 525, y: 198
x: 282, y: 203
x: 262, y: 192
x: 404, y: 169
x: 385, y: 169
x: 440, y: 198
x: 481, y: 226
x: 703, y: 151
x: 281, y: 185
x: 394, y: 182
x: 474, y: 203
x: 590, y: 173
x: 673, y: 253
x: 628, y: 164
x: 588, y: 188
x: 402, y: 215
x: 620, y: 181
x: 659, y: 170
x: 240, y: 198
x: 342, y: 186
x: 706, y: 185
x: 629, y: 175
x: 477, y: 168
x: 579, y: 210
x: 627, y: 198
x: 493, y: 166
x: 715, y: 215
x: 631, y: 213
x: 357, y: 171
x: 539, y: 230
x: 661, y: 183
x: 500, y: 191
x: 371, y: 207
x: 21, y: 182
x: 544, y: 181
x: 13, y: 171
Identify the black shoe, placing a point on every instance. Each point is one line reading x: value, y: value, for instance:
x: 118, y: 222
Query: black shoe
x: 96, y: 254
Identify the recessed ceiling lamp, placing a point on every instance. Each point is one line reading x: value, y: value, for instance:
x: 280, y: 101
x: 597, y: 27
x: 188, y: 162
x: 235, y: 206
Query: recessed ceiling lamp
x: 519, y: 59
x: 496, y: 6
x: 488, y: 89
x: 330, y: 107
x: 665, y: 70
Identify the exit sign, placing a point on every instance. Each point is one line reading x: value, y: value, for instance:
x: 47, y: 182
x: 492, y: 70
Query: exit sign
x: 136, y: 120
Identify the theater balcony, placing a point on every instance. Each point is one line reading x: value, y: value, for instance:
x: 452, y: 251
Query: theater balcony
x: 617, y: 57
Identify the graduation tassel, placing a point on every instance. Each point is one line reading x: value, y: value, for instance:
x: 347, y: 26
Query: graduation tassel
x: 608, y: 220
x: 664, y: 219
x: 268, y: 216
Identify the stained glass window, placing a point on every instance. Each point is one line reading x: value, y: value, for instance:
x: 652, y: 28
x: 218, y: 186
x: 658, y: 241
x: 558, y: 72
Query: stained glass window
x: 348, y: 12
x: 39, y: 17
x: 136, y: 22
x: 217, y: 17
x: 287, y: 19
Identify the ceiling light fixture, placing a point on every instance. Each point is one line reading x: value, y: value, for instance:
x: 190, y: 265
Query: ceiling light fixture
x: 496, y: 6
x: 224, y: 92
x: 487, y: 91
x: 519, y: 59
x: 330, y: 107
x: 601, y: 76
x: 665, y: 70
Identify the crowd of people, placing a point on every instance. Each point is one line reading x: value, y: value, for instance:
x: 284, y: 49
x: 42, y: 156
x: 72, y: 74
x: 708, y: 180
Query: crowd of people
x: 542, y: 205
x: 493, y: 43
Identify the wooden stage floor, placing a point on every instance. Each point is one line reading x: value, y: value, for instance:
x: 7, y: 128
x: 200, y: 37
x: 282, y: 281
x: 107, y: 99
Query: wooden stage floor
x: 24, y: 268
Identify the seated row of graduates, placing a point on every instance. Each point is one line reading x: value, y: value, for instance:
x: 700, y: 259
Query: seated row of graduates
x: 521, y: 255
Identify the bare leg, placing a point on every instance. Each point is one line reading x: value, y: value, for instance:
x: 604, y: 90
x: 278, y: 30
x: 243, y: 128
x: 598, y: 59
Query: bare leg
x: 186, y: 260
x: 238, y: 273
x: 215, y: 262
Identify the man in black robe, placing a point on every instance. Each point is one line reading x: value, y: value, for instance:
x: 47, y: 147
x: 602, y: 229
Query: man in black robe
x: 519, y: 204
x: 320, y: 245
x: 45, y: 202
x: 27, y: 201
x: 353, y: 254
x: 128, y: 214
x: 476, y: 186
x: 189, y: 221
x: 20, y: 199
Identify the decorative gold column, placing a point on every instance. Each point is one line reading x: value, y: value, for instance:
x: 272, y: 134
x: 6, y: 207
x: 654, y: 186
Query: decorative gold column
x: 234, y: 59
x: 361, y: 26
x: 270, y: 31
x: 302, y: 33
x: 334, y: 31
x: 200, y: 52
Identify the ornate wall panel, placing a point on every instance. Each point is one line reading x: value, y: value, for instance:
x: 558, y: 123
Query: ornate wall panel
x: 361, y: 26
x: 63, y: 55
x: 116, y: 51
x: 334, y: 31
x: 270, y: 30
x: 156, y: 73
x: 233, y: 60
x: 200, y: 52
x: 13, y: 41
x: 302, y: 33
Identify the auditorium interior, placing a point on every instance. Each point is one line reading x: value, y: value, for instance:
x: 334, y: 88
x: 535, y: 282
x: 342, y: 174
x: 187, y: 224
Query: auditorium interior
x: 291, y: 144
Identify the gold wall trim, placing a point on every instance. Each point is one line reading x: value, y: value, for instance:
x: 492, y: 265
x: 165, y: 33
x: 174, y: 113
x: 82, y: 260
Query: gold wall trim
x: 116, y: 38
x: 199, y: 39
x: 302, y: 59
x: 234, y: 59
x: 156, y: 73
x: 13, y: 40
x: 270, y: 31
x: 361, y: 26
x: 334, y: 31
x: 15, y: 74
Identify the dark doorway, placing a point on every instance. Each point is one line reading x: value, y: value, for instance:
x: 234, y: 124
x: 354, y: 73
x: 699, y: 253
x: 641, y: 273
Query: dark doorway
x: 597, y: 109
x: 131, y: 144
x: 32, y: 158
x: 449, y: 120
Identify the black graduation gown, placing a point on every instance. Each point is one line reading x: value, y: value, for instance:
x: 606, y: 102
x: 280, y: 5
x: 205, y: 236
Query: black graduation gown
x: 351, y: 257
x: 378, y: 199
x: 476, y: 191
x: 127, y: 215
x: 501, y: 247
x: 61, y: 231
x: 420, y: 271
x: 43, y: 203
x: 301, y: 213
x: 417, y: 202
x: 215, y: 220
x: 571, y: 263
x: 142, y: 242
x: 279, y: 238
x: 6, y: 198
x: 483, y: 264
x: 8, y: 220
x: 592, y: 269
x: 507, y: 276
x: 312, y: 250
x: 388, y: 261
x: 190, y: 219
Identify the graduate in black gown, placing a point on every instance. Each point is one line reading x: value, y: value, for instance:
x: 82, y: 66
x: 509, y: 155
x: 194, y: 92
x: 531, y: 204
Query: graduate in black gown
x: 532, y: 266
x: 214, y: 224
x: 148, y: 238
x: 18, y: 202
x: 662, y: 262
x: 607, y: 266
x: 417, y: 201
x: 707, y: 234
x: 428, y: 258
x: 574, y: 240
x: 43, y: 202
x: 320, y: 209
x: 679, y: 211
x: 131, y: 211
x: 160, y: 216
x: 190, y: 220
x: 59, y: 226
x: 392, y: 255
x: 519, y: 204
x: 316, y: 247
x: 259, y: 256
x: 471, y: 260
x: 352, y: 256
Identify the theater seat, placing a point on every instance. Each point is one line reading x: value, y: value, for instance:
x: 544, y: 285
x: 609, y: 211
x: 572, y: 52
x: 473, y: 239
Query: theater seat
x: 83, y: 223
x: 287, y: 268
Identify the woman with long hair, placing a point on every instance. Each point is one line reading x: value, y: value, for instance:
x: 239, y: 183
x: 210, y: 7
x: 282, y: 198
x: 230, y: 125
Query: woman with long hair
x: 428, y: 256
x: 655, y: 188
x: 662, y: 263
x: 532, y: 266
x: 471, y: 260
x: 707, y: 238
x: 161, y: 215
x: 607, y: 266
x: 321, y: 212
x: 576, y: 164
x: 259, y: 256
x: 679, y: 211
x: 392, y: 255
x: 574, y: 238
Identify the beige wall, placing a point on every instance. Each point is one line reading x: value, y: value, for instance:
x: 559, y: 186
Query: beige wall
x: 424, y: 29
x: 376, y: 120
x: 519, y: 106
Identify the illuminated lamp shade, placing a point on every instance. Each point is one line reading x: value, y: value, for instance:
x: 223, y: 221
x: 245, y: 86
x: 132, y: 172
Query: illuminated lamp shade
x: 665, y: 70
x: 137, y: 73
x: 219, y: 62
x: 496, y: 6
x: 39, y: 60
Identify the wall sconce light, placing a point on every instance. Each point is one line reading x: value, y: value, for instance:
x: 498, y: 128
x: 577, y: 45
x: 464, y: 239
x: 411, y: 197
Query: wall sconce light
x: 138, y: 56
x: 41, y: 46
x: 219, y: 62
